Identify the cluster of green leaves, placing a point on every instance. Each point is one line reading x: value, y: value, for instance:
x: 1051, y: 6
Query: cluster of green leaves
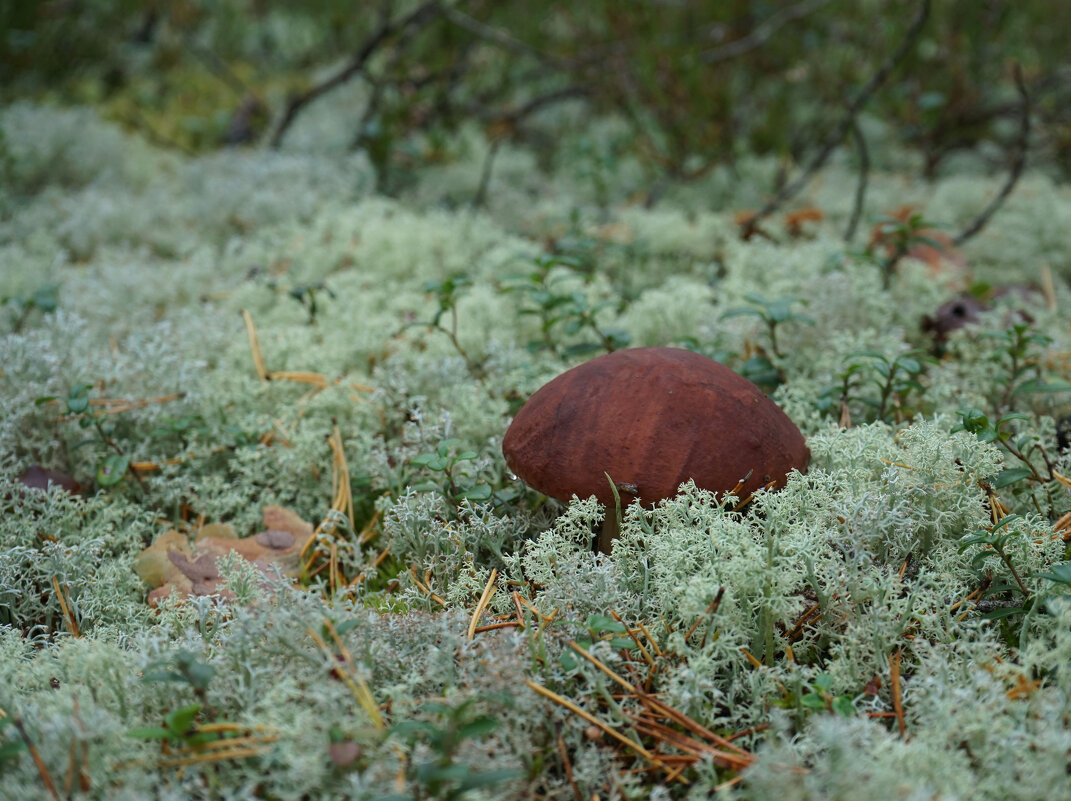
x: 444, y: 776
x: 113, y: 463
x: 453, y: 479
x: 817, y: 696
x: 887, y: 388
x: 564, y: 313
x: 44, y: 299
x: 181, y: 725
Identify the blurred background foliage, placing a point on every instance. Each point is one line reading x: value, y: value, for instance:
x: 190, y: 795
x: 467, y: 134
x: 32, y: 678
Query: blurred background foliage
x: 698, y: 83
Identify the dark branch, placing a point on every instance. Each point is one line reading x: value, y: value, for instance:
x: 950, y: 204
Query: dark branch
x: 872, y: 86
x: 762, y: 32
x: 1018, y: 162
x: 502, y: 38
x: 422, y: 15
x: 860, y: 188
x: 505, y: 124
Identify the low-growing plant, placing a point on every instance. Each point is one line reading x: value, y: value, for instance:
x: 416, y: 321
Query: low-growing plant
x: 447, y: 293
x: 456, y: 482
x: 564, y: 312
x: 773, y: 313
x: 44, y: 299
x: 113, y: 463
x: 443, y: 775
x: 885, y: 386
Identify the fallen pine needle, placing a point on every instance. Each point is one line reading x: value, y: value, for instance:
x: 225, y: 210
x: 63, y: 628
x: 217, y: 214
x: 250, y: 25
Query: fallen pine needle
x: 568, y: 768
x: 254, y: 345
x: 508, y: 624
x: 712, y: 609
x: 481, y: 605
x: 894, y: 685
x: 565, y: 702
x: 239, y: 753
x: 42, y: 769
x: 72, y: 624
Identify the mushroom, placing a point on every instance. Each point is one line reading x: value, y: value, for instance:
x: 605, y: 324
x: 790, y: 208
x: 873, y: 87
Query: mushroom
x: 650, y: 419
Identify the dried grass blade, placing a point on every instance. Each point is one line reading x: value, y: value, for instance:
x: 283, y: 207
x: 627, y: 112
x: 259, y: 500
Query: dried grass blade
x: 481, y: 605
x: 894, y: 685
x: 254, y: 345
x: 565, y: 702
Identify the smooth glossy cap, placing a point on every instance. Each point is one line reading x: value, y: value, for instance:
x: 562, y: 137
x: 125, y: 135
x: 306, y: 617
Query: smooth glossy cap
x: 651, y: 418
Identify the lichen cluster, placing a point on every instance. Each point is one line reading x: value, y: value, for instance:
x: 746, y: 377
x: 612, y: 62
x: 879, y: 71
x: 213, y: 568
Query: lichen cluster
x: 880, y: 631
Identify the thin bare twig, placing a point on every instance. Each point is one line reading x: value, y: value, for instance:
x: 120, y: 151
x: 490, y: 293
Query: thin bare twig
x: 762, y: 32
x: 894, y: 686
x: 42, y: 769
x: 860, y: 187
x: 502, y: 38
x: 422, y: 15
x: 876, y: 81
x: 1018, y: 162
x: 503, y: 124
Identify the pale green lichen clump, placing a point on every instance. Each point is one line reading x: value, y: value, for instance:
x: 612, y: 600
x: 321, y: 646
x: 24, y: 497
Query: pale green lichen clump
x: 430, y: 325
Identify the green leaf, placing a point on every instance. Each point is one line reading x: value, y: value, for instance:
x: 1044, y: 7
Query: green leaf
x: 180, y: 720
x: 481, y: 492
x: 742, y: 311
x: 345, y: 626
x: 604, y: 623
x: 583, y: 349
x: 998, y: 614
x: 842, y: 705
x: 1060, y: 574
x: 150, y: 733
x: 200, y: 674
x: 477, y: 727
x: 112, y: 469
x: 813, y: 701
x: 1010, y: 476
x: 489, y: 777
x: 1040, y: 385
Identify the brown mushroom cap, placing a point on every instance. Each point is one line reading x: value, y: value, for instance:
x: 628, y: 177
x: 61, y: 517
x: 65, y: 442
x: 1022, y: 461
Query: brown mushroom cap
x: 651, y: 418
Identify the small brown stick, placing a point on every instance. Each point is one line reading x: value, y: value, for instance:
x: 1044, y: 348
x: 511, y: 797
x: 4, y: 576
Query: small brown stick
x: 712, y: 609
x: 568, y: 768
x: 506, y: 624
x: 565, y: 702
x: 747, y: 731
x: 755, y: 663
x: 481, y: 605
x: 1018, y: 162
x: 809, y: 615
x: 375, y: 563
x: 239, y: 753
x: 254, y: 345
x: 72, y: 624
x: 631, y: 633
x: 42, y: 769
x: 660, y: 706
x: 894, y: 686
x: 425, y: 588
x: 350, y: 677
x: 658, y: 651
x: 520, y: 610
